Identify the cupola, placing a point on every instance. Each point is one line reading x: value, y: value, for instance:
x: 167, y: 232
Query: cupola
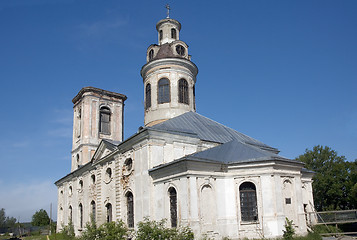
x: 169, y: 75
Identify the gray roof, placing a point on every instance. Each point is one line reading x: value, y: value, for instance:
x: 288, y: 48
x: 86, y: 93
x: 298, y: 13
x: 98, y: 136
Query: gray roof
x: 208, y: 130
x: 234, y: 152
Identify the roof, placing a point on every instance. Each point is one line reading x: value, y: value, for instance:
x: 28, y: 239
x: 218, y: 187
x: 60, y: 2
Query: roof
x: 234, y: 152
x: 208, y: 130
x: 98, y: 91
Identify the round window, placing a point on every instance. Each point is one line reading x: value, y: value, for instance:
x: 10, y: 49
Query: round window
x: 180, y: 50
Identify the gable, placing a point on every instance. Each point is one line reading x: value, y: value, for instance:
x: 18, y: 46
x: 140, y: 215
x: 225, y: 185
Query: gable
x: 105, y: 148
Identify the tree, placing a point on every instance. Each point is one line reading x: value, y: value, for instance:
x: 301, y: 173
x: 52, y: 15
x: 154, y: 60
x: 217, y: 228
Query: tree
x: 289, y: 231
x: 2, y: 218
x: 6, y: 222
x: 334, y: 180
x: 40, y: 218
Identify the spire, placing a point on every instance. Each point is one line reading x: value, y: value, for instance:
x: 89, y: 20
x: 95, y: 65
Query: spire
x: 168, y: 10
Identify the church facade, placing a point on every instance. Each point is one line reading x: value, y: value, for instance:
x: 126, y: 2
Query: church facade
x: 181, y: 166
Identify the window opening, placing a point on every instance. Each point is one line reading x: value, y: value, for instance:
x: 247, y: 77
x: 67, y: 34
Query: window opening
x: 164, y: 91
x: 183, y: 91
x: 80, y: 184
x: 248, y: 202
x: 109, y: 212
x: 148, y: 96
x: 151, y: 54
x: 160, y: 34
x: 93, y: 178
x: 80, y: 215
x: 194, y: 97
x: 173, y: 207
x: 128, y: 164
x: 173, y: 33
x: 93, y: 210
x: 70, y: 213
x: 130, y: 209
x: 104, y: 126
x: 180, y: 50
x: 109, y: 173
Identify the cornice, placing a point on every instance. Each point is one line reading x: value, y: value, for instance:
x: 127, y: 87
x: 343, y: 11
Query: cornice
x: 98, y: 91
x: 169, y: 61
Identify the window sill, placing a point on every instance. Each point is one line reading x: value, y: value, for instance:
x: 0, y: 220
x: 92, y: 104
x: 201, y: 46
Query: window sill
x: 249, y: 223
x: 103, y: 133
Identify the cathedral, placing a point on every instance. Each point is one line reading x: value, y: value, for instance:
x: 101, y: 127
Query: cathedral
x: 181, y: 166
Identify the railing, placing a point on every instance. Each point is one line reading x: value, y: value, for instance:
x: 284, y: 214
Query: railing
x: 332, y: 217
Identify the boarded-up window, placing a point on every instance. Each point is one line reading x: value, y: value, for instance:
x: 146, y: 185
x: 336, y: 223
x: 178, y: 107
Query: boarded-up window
x: 207, y: 206
x: 183, y: 91
x: 163, y: 91
x: 130, y: 209
x: 173, y: 206
x: 248, y: 202
x: 104, y: 126
x: 148, y: 96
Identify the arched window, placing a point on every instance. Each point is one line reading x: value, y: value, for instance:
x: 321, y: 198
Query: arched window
x: 160, y: 34
x: 148, y: 96
x: 194, y: 97
x: 104, y: 126
x: 163, y: 91
x: 248, y: 202
x: 92, y: 204
x: 61, y: 214
x: 80, y: 184
x: 109, y: 212
x: 93, y: 178
x: 173, y: 207
x: 80, y: 215
x: 173, y: 33
x: 130, y: 209
x: 70, y: 215
x: 183, y: 91
x: 151, y: 54
x: 77, y: 157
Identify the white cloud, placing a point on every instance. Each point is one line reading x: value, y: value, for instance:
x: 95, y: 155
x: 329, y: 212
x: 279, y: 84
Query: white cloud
x: 23, y: 200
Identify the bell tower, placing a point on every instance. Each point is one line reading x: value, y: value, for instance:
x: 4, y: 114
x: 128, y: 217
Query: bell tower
x: 169, y: 76
x: 97, y: 115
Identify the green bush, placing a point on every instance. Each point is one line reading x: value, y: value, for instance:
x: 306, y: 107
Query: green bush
x: 67, y: 232
x: 107, y: 231
x: 289, y: 231
x: 156, y: 230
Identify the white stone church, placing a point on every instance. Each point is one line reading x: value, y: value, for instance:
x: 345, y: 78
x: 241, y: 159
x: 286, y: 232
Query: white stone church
x: 181, y: 166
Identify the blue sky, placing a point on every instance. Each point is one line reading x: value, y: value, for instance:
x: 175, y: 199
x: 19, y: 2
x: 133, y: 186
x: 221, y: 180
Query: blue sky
x: 283, y: 72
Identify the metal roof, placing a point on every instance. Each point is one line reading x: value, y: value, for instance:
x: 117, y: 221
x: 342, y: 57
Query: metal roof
x: 234, y: 152
x: 208, y: 130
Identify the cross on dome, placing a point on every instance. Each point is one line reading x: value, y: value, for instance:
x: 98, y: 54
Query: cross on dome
x: 168, y: 10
